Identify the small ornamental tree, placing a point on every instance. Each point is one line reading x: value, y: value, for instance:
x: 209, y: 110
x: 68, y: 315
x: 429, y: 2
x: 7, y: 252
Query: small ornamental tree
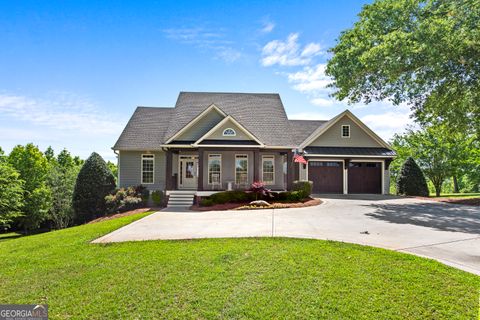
x: 411, y: 181
x: 94, y: 182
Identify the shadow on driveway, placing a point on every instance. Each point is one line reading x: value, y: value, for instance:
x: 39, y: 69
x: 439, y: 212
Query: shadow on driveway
x: 369, y: 197
x: 439, y: 216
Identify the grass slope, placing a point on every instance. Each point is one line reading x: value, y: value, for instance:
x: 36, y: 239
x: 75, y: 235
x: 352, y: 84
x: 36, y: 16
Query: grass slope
x: 227, y: 278
x: 456, y: 195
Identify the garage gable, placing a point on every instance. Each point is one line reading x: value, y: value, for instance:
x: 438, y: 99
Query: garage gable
x: 345, y: 130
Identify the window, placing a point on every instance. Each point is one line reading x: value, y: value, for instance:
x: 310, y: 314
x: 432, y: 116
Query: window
x: 324, y: 164
x: 214, y: 168
x: 241, y: 169
x: 147, y: 168
x: 229, y: 132
x: 268, y: 169
x: 346, y: 131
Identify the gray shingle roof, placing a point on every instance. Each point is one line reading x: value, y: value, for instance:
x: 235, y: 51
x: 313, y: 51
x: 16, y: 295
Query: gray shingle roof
x: 145, y: 130
x: 301, y: 129
x: 354, y: 151
x: 262, y: 114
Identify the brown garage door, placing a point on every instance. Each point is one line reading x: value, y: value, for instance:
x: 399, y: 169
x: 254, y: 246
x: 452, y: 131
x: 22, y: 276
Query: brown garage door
x: 365, y: 177
x: 327, y: 176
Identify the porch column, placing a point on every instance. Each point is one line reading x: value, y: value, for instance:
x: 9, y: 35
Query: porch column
x: 346, y: 164
x: 290, y: 170
x: 200, y: 169
x: 256, y: 165
x: 168, y: 169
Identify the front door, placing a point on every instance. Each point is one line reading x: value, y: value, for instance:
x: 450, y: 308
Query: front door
x: 188, y: 172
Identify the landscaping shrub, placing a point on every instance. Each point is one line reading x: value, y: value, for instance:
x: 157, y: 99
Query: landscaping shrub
x: 206, y: 202
x: 260, y: 190
x: 227, y: 197
x: 411, y: 181
x: 304, y: 186
x: 125, y: 199
x: 157, y: 197
x: 94, y: 182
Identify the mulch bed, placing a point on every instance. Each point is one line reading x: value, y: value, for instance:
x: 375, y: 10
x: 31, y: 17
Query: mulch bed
x: 123, y: 214
x: 465, y: 201
x: 245, y: 206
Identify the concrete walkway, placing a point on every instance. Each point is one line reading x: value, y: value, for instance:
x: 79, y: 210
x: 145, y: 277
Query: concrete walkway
x: 445, y: 232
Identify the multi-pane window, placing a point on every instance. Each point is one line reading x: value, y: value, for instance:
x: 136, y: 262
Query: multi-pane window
x: 229, y: 132
x: 241, y: 169
x: 214, y: 168
x: 147, y: 168
x: 346, y: 131
x: 268, y: 169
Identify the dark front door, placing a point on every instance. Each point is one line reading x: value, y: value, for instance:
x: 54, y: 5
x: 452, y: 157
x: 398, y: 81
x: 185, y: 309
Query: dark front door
x: 327, y: 176
x: 365, y: 177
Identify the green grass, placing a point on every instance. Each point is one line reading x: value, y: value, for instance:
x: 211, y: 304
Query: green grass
x: 9, y: 236
x: 227, y: 278
x: 457, y: 195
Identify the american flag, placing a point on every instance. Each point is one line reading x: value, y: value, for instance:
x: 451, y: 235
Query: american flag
x: 298, y: 158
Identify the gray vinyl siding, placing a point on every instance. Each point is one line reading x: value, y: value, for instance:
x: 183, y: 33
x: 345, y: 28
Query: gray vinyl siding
x: 202, y: 126
x: 333, y: 138
x: 130, y: 167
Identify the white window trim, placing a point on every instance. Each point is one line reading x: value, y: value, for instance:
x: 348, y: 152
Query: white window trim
x: 244, y: 156
x: 270, y: 157
x: 349, y: 132
x: 229, y: 135
x: 150, y: 156
x: 208, y: 167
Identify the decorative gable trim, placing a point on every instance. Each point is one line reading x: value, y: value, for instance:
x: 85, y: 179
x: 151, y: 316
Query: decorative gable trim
x: 220, y: 124
x: 195, y: 120
x: 317, y: 133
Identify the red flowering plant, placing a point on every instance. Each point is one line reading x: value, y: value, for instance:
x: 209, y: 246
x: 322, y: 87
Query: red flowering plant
x: 258, y: 188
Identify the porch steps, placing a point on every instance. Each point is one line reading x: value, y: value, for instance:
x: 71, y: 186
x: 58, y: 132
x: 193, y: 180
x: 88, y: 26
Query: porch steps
x: 180, y: 199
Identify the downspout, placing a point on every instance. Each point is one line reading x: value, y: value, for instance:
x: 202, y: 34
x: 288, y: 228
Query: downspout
x: 117, y: 152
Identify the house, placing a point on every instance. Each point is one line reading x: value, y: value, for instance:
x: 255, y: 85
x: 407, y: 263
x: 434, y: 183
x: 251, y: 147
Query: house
x: 219, y: 141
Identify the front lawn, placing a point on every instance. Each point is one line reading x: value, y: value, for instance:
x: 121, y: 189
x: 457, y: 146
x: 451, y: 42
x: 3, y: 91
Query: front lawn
x: 227, y: 278
x: 457, y: 195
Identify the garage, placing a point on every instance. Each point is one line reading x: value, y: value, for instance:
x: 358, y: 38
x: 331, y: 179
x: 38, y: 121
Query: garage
x: 327, y: 176
x: 365, y: 177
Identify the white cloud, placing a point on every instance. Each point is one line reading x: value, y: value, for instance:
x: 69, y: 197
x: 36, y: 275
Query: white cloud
x: 268, y: 27
x: 60, y: 111
x: 323, y: 102
x: 386, y: 124
x: 206, y: 39
x: 289, y: 52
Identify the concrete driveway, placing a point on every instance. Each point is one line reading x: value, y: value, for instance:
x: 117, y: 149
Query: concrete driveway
x: 445, y: 232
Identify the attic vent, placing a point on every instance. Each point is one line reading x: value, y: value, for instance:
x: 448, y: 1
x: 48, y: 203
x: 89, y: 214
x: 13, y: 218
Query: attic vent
x: 229, y: 132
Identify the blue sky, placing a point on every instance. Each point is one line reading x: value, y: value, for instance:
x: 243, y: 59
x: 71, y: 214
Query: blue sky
x: 72, y: 72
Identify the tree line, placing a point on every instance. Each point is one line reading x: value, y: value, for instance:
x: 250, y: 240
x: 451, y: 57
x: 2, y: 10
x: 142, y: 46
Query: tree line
x: 41, y: 190
x: 426, y: 54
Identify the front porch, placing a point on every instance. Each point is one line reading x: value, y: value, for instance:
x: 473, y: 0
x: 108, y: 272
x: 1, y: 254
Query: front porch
x: 209, y: 170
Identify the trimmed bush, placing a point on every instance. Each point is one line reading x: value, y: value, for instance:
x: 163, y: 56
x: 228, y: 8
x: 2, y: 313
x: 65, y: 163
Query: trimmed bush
x: 157, y: 197
x: 94, y: 182
x: 206, y: 202
x: 411, y: 181
x: 126, y: 199
x: 304, y: 186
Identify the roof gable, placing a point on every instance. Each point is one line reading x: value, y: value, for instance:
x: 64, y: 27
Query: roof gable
x: 200, y: 125
x: 330, y: 134
x: 216, y: 133
x: 262, y: 114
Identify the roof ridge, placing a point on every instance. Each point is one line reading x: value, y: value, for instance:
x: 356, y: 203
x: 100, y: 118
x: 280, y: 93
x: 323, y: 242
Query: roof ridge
x: 151, y: 107
x: 231, y: 92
